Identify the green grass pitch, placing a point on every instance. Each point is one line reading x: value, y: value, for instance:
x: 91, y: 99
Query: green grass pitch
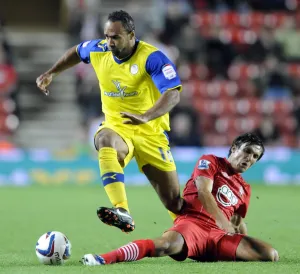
x: 26, y: 213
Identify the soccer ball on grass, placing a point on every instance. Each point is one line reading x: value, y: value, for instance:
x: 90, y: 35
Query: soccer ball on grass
x: 53, y: 248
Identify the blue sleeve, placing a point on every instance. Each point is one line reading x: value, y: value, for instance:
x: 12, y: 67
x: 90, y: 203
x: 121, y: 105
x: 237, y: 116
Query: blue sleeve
x: 84, y: 49
x: 162, y: 71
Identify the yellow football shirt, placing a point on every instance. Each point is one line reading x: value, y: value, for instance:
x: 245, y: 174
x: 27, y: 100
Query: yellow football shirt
x: 133, y: 84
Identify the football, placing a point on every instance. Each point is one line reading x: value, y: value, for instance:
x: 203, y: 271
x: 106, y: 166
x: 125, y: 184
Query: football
x: 53, y: 248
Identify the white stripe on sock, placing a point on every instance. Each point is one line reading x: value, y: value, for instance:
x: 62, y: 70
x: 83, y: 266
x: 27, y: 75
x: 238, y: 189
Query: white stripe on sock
x: 136, y: 251
x: 127, y: 255
x: 131, y: 251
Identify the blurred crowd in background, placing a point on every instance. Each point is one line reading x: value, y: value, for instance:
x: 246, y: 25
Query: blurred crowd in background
x: 8, y: 92
x: 239, y: 62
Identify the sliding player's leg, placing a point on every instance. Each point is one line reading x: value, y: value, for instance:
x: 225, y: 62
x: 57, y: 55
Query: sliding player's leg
x: 113, y: 153
x: 170, y: 243
x: 239, y: 247
x: 251, y: 249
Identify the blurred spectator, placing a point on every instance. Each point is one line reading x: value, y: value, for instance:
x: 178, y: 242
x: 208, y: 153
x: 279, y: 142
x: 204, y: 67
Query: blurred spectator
x: 242, y: 5
x: 84, y: 22
x: 171, y: 51
x: 289, y: 38
x: 224, y: 5
x: 191, y: 44
x: 276, y: 82
x: 268, y: 131
x: 177, y: 16
x: 296, y: 113
x: 5, y: 46
x: 264, y: 46
x: 88, y: 93
x: 8, y: 107
x: 184, y: 127
x: 270, y: 5
x: 8, y: 76
x: 219, y: 55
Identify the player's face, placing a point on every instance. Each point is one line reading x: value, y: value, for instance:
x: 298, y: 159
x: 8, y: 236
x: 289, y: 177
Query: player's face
x: 243, y: 157
x: 119, y: 41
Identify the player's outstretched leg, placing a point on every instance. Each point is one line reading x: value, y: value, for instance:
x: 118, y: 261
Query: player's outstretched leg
x: 170, y: 243
x: 250, y: 249
x: 112, y: 150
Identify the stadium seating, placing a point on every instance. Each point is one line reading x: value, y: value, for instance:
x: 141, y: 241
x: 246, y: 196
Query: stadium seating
x: 228, y: 107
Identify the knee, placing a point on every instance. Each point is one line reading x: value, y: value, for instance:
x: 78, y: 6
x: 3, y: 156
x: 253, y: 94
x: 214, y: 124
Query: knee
x: 162, y: 247
x: 271, y: 254
x: 275, y: 255
x: 174, y: 205
x: 104, y: 141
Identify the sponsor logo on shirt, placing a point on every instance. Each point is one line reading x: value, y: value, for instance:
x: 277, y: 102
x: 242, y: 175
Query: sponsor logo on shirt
x: 203, y: 164
x: 226, y: 197
x: 121, y: 91
x: 169, y: 72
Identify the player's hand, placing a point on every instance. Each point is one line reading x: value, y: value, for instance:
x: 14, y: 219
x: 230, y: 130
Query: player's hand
x: 236, y: 228
x: 43, y: 81
x: 227, y: 226
x: 134, y: 119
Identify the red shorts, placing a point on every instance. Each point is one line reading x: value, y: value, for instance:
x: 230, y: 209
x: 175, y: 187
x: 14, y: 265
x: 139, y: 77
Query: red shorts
x: 205, y: 242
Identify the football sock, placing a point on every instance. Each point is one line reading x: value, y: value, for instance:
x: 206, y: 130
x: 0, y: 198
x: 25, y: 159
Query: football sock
x: 131, y: 252
x: 112, y: 176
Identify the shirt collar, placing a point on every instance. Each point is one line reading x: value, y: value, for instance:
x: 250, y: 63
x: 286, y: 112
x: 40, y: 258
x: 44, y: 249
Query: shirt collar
x: 230, y: 168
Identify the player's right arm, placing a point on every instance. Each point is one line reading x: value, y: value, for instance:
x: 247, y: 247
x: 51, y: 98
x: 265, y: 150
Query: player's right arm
x: 204, y: 186
x: 70, y: 58
x: 204, y: 176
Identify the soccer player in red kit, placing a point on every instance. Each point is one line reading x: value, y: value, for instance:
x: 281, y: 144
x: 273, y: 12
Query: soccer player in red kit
x: 211, y: 226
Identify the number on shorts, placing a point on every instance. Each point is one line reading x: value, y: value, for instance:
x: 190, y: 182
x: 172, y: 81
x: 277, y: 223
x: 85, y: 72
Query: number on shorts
x: 166, y: 155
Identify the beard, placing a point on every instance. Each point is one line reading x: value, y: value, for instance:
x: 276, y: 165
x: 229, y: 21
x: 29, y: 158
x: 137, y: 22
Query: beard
x: 116, y: 52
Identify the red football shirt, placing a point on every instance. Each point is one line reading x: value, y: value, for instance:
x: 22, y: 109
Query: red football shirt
x: 230, y: 191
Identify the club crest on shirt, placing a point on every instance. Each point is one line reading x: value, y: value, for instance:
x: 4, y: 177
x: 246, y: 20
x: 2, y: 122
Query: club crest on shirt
x: 203, y: 164
x: 134, y: 69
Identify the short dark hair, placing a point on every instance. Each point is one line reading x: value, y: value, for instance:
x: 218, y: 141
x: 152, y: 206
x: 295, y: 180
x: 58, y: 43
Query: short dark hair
x: 249, y: 139
x: 124, y: 17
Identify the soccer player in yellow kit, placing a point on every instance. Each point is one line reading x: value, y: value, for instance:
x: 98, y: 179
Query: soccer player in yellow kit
x: 139, y: 86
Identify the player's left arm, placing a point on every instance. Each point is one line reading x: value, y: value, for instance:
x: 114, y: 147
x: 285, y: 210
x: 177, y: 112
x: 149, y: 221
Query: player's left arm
x: 165, y: 77
x: 238, y: 224
x: 163, y: 105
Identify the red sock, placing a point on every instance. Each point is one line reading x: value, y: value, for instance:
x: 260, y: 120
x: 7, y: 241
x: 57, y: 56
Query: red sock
x: 131, y: 252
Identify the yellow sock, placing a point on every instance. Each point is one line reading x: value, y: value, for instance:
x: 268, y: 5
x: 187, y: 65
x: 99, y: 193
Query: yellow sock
x: 112, y: 176
x: 173, y: 215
